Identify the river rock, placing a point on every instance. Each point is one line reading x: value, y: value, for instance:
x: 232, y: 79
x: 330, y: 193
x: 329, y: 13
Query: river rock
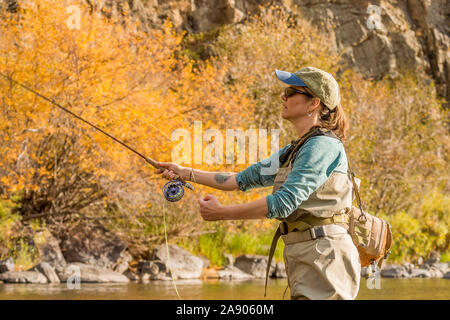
x: 23, y: 277
x: 230, y: 272
x: 409, y: 267
x: 210, y: 273
x: 49, y: 250
x: 206, y: 262
x: 446, y: 275
x: 436, y: 269
x: 254, y: 264
x: 424, y: 266
x: 433, y: 258
x: 394, y: 271
x: 7, y: 265
x: 122, y: 264
x: 48, y: 271
x: 436, y: 273
x: 131, y: 275
x: 153, y: 270
x: 91, y: 274
x: 420, y: 273
x: 94, y: 245
x: 230, y: 258
x: 183, y: 264
x: 441, y: 266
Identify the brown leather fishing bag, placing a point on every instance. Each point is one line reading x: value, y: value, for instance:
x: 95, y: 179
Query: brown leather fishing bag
x: 371, y: 235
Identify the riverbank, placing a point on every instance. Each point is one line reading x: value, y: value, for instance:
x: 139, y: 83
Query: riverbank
x: 90, y: 253
x: 178, y: 264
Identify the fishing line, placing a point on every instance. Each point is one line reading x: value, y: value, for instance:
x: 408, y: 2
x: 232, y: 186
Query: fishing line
x: 167, y: 242
x: 168, y: 254
x: 173, y: 190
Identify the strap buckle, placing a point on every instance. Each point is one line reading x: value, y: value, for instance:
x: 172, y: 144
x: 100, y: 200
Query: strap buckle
x: 317, y: 232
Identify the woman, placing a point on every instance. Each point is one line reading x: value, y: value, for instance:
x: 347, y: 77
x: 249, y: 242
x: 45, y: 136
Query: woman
x: 312, y: 192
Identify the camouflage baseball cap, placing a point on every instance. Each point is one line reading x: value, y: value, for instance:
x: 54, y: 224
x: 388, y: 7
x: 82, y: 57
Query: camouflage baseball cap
x: 321, y: 83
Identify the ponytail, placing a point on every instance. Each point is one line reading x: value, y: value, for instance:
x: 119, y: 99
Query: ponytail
x: 335, y: 120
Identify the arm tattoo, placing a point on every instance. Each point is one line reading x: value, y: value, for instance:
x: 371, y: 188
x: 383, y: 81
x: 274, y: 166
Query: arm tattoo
x: 222, y: 177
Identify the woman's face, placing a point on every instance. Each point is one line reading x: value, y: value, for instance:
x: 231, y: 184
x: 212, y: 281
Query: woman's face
x: 295, y: 106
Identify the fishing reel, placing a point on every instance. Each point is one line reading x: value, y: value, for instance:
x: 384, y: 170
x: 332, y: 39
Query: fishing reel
x: 173, y: 190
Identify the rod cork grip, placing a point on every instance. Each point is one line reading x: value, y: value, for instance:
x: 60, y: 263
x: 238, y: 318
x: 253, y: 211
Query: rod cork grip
x: 153, y: 163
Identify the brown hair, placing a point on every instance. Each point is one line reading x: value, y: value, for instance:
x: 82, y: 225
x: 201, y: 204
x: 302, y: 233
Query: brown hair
x: 335, y: 120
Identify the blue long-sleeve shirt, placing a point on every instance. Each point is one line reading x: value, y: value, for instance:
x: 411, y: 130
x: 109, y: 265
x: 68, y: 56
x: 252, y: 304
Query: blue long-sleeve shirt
x: 313, y: 164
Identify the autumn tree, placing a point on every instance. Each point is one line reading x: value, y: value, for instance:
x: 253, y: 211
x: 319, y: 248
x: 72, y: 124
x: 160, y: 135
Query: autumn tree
x: 134, y: 83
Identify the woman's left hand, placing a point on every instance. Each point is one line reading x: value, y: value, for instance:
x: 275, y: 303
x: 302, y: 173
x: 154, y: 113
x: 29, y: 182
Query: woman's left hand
x: 211, y: 209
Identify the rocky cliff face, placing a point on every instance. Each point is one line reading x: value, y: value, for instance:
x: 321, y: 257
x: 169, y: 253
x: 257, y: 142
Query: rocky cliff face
x: 378, y: 39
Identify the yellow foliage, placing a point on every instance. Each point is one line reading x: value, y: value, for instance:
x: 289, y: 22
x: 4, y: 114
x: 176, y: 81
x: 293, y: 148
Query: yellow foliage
x: 132, y: 83
x: 416, y: 236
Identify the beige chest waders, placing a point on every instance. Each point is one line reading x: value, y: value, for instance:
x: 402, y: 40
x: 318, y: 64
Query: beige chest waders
x: 321, y: 260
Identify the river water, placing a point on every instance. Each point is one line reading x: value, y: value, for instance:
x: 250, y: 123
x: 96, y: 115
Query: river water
x: 388, y: 289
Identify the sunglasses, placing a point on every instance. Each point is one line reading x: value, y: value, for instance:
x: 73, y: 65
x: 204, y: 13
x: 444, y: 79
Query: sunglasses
x: 289, y: 91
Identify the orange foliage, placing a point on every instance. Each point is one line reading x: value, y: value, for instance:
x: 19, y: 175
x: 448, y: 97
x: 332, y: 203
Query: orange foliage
x: 132, y: 83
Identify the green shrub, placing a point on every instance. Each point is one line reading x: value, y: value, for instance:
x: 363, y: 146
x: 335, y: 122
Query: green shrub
x: 417, y: 235
x: 249, y: 239
x: 15, y: 239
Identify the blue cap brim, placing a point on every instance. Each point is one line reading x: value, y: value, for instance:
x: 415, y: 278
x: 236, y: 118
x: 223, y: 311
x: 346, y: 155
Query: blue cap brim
x: 290, y: 78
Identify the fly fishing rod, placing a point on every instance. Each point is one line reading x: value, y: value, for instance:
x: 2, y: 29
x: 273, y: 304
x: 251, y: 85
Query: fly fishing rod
x: 172, y: 190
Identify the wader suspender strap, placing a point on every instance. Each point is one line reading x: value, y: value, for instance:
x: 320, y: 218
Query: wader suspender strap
x: 299, y: 143
x: 271, y: 252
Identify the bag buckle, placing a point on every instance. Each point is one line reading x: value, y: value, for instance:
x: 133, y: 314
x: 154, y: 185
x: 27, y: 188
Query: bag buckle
x: 317, y: 232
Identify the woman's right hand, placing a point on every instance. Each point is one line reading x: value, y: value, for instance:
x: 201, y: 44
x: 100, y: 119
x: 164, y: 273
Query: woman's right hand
x: 172, y: 171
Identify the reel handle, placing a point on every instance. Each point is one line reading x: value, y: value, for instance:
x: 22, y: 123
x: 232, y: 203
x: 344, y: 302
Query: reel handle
x: 187, y: 185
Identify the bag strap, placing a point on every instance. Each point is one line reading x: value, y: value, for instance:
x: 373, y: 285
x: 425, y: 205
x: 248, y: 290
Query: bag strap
x: 289, y: 155
x: 356, y: 190
x: 273, y: 246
